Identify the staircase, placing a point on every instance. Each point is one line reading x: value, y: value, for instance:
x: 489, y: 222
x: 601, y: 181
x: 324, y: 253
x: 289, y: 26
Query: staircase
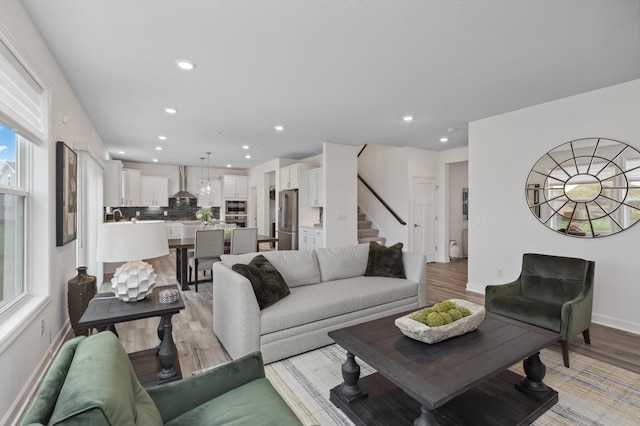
x: 365, y: 232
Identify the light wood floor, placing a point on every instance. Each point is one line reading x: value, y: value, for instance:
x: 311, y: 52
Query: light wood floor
x: 198, y: 347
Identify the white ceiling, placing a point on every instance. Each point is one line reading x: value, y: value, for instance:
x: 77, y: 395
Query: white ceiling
x: 329, y: 71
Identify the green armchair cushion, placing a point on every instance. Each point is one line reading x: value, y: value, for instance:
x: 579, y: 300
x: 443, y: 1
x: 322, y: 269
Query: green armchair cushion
x: 552, y: 279
x: 240, y: 407
x: 101, y: 388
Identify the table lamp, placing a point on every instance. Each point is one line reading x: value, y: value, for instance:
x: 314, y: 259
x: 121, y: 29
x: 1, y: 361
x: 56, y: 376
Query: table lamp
x: 131, y: 242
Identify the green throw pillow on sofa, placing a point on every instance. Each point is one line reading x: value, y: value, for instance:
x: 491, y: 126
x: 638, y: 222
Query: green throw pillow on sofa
x: 267, y: 283
x: 385, y: 261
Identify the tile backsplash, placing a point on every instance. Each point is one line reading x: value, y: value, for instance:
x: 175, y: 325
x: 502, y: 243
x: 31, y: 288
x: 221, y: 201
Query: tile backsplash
x: 179, y: 209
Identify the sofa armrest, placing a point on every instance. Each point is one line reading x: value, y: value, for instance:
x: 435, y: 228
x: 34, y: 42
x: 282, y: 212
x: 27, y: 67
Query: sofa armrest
x: 176, y: 398
x: 236, y: 314
x: 493, y: 291
x: 415, y: 269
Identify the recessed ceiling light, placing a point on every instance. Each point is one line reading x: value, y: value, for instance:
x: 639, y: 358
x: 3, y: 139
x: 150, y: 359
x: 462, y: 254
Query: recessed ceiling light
x: 408, y: 118
x: 158, y: 148
x: 279, y: 128
x: 162, y: 138
x: 120, y: 152
x: 228, y: 165
x: 155, y: 160
x: 185, y: 64
x: 170, y: 110
x: 443, y: 139
x: 247, y: 156
x: 245, y: 146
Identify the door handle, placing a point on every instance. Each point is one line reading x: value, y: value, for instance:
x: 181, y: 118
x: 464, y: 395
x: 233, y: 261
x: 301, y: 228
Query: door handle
x: 415, y: 225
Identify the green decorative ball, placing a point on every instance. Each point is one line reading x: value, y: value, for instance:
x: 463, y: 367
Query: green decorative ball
x: 439, y: 307
x: 449, y: 305
x: 434, y: 320
x: 420, y: 317
x: 455, y: 314
x: 464, y: 311
x: 446, y: 318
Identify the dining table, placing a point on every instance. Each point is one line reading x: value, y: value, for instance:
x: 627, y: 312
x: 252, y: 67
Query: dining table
x: 183, y: 245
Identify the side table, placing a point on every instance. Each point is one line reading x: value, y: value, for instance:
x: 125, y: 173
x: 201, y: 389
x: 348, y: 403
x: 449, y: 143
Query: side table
x: 153, y: 366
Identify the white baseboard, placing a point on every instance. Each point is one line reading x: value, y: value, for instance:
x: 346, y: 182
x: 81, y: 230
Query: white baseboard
x: 616, y: 323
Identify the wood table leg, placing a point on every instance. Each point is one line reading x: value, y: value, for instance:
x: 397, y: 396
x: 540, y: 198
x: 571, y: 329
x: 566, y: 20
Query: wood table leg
x: 167, y: 353
x: 532, y: 384
x: 426, y: 418
x: 179, y: 265
x: 182, y: 259
x: 351, y: 374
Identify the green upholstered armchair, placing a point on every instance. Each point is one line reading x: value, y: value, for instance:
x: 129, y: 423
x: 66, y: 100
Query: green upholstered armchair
x: 92, y: 382
x: 552, y: 292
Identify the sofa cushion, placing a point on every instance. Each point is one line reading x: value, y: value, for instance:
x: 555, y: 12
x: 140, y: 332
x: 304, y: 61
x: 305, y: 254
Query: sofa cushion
x: 268, y: 285
x: 312, y: 303
x: 296, y: 267
x: 255, y: 403
x: 101, y: 387
x: 385, y: 261
x: 342, y: 262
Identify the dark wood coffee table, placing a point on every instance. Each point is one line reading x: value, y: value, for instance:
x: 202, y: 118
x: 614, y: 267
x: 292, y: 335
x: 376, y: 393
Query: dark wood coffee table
x: 152, y: 366
x: 460, y: 381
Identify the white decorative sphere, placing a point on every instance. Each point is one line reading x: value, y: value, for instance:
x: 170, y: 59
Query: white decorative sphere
x: 133, y: 281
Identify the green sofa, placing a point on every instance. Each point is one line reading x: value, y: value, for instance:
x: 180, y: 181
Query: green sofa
x: 91, y: 382
x: 552, y: 292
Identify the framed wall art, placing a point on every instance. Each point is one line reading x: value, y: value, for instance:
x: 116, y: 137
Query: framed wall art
x: 66, y: 194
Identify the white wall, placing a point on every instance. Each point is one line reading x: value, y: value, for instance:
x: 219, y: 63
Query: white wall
x: 341, y: 203
x: 458, y: 179
x: 26, y: 355
x: 502, y: 150
x: 261, y: 177
x: 445, y: 160
x: 385, y: 169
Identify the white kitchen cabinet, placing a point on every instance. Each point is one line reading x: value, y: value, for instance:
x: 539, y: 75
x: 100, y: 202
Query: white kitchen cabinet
x: 318, y: 238
x: 213, y: 198
x: 315, y: 191
x: 154, y: 191
x: 112, y: 183
x: 235, y: 187
x: 310, y: 238
x: 131, y: 187
x: 293, y: 176
x: 174, y: 230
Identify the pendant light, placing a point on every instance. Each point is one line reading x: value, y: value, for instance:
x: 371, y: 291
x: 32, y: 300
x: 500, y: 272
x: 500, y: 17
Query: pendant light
x: 203, y: 183
x: 208, y: 187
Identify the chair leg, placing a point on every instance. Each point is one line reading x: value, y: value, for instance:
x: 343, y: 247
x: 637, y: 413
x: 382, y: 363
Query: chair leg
x: 587, y: 338
x: 565, y: 352
x: 196, y: 268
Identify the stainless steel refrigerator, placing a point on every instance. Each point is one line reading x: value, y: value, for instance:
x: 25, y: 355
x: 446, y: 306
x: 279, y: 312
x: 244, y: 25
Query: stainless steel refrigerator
x: 288, y: 220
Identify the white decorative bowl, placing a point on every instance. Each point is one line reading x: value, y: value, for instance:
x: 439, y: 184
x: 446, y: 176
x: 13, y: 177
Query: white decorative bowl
x: 422, y: 332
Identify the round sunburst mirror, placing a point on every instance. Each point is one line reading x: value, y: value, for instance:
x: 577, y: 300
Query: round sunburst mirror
x: 586, y: 188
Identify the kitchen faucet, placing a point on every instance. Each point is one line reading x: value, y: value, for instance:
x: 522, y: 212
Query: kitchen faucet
x: 114, y: 214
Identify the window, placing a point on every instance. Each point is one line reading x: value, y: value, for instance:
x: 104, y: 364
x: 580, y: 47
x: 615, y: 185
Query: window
x: 12, y: 219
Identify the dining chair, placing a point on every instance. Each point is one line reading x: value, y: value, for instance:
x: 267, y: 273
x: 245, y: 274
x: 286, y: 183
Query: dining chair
x: 208, y: 247
x: 244, y: 240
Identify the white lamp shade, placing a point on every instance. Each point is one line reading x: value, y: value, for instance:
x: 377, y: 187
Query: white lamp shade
x: 125, y: 241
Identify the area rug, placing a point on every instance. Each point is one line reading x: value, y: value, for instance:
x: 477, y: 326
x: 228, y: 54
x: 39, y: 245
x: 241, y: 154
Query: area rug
x: 591, y: 392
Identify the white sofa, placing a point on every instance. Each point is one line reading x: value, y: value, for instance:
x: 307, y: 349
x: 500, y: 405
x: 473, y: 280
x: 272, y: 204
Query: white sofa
x: 328, y: 291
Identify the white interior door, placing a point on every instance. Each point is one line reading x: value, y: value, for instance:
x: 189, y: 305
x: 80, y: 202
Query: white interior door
x: 423, y: 226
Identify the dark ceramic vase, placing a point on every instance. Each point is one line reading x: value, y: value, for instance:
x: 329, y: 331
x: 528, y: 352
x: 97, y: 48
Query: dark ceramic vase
x: 80, y: 291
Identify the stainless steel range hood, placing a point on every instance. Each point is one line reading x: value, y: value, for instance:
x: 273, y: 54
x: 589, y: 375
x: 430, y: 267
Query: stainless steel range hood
x: 182, y: 192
